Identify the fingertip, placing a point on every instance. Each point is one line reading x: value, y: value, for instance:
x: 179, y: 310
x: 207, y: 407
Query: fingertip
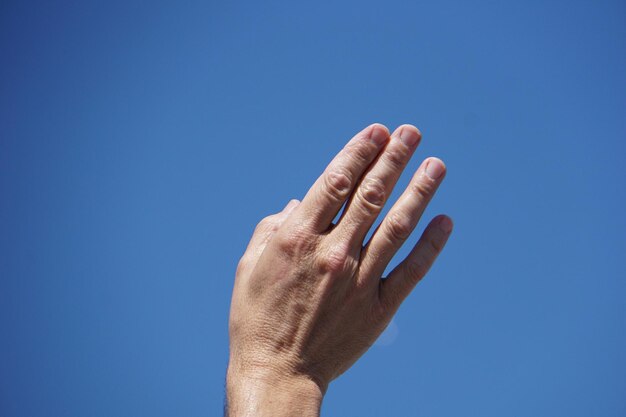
x: 409, y: 127
x: 378, y: 133
x: 408, y: 134
x: 434, y: 168
x: 445, y: 223
x: 437, y: 160
x: 377, y: 125
x: 419, y: 132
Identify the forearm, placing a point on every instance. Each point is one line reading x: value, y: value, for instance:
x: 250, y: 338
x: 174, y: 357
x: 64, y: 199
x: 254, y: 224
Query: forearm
x: 261, y: 396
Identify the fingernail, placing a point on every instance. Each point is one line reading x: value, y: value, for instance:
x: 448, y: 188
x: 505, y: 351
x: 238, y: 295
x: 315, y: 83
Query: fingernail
x: 410, y: 137
x: 445, y: 223
x: 434, y: 168
x: 379, y: 135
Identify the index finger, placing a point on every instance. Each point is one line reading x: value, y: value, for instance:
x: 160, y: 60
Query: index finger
x: 329, y: 192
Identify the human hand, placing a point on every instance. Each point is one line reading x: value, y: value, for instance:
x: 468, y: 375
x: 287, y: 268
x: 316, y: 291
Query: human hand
x: 308, y: 299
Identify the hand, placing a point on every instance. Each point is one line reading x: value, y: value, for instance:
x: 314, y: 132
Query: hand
x: 308, y: 299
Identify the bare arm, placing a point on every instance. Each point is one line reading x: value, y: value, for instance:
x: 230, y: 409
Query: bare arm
x: 309, y: 298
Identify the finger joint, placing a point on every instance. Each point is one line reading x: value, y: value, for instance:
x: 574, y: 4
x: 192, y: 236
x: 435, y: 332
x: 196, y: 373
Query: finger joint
x: 395, y: 159
x: 334, y: 260
x: 399, y: 227
x: 338, y: 184
x: 421, y: 189
x: 415, y: 270
x: 373, y: 194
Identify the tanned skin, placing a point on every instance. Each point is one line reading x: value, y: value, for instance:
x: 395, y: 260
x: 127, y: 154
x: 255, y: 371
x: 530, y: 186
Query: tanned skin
x: 309, y: 297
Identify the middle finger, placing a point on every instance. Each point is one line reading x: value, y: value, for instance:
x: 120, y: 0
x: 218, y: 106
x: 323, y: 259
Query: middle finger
x: 376, y: 185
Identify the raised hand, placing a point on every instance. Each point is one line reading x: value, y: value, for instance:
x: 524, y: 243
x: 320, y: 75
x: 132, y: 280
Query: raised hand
x: 309, y: 296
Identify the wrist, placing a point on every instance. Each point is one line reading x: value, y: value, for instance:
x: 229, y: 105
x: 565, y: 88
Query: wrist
x: 263, y: 392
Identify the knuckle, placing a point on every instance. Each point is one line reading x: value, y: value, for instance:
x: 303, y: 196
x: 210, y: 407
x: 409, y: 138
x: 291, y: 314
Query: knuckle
x: 359, y: 153
x: 242, y: 266
x: 399, y: 227
x: 378, y: 311
x: 389, y: 303
x: 396, y: 159
x: 421, y: 189
x: 266, y: 223
x: 415, y: 271
x: 294, y: 242
x: 373, y: 193
x: 334, y: 259
x: 338, y: 184
x: 436, y: 245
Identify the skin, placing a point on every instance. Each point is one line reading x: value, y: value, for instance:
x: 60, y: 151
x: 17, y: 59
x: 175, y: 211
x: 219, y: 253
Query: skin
x: 309, y: 297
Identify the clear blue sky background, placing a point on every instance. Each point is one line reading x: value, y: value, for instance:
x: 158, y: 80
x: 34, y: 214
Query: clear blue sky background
x: 140, y: 142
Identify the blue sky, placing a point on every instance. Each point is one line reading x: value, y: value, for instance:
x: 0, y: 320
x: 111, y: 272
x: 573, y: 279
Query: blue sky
x: 140, y: 142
